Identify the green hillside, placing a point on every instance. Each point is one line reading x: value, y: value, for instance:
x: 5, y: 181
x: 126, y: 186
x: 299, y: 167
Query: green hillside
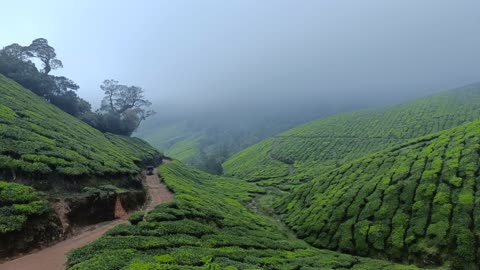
x: 38, y: 139
x: 329, y: 142
x: 173, y: 140
x: 208, y: 226
x: 417, y: 202
x: 205, y: 140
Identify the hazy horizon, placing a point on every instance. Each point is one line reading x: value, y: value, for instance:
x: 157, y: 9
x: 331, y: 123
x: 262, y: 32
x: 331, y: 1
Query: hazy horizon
x: 216, y: 57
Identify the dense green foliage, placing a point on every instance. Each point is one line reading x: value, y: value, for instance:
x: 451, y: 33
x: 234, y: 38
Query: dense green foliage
x: 19, y: 204
x: 16, y: 63
x: 136, y: 217
x: 417, y: 202
x: 123, y: 107
x: 137, y: 149
x: 122, y: 110
x: 36, y: 138
x: 332, y: 141
x: 207, y: 227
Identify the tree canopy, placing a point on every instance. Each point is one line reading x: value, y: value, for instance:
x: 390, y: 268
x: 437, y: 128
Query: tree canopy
x: 126, y: 106
x: 45, y: 53
x: 122, y: 110
x: 16, y: 63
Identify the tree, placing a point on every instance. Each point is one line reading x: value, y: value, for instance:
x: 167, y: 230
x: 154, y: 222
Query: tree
x: 123, y: 108
x: 16, y: 51
x: 67, y: 101
x: 63, y: 85
x: 15, y: 63
x: 120, y: 98
x: 46, y: 53
x: 127, y: 102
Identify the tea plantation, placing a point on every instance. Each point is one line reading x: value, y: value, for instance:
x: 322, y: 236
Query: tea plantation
x: 208, y: 226
x: 329, y: 142
x: 173, y: 140
x: 37, y: 140
x: 19, y: 205
x: 417, y: 202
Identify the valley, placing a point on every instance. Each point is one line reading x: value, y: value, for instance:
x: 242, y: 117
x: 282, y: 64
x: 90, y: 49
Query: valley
x: 323, y: 195
x: 240, y: 135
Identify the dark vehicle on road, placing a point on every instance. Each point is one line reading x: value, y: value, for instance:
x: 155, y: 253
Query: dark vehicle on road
x: 150, y: 170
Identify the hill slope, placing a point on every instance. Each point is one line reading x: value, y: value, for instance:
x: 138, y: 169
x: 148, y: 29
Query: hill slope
x: 205, y: 139
x: 37, y: 139
x: 417, y: 202
x: 208, y: 227
x: 76, y: 166
x: 173, y: 140
x: 329, y: 142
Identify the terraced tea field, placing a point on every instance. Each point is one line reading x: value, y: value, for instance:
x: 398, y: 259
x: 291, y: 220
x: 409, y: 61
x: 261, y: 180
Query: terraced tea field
x: 329, y: 142
x: 37, y: 138
x: 417, y: 202
x: 208, y: 227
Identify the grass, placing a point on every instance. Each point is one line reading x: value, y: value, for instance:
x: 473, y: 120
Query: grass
x: 208, y: 226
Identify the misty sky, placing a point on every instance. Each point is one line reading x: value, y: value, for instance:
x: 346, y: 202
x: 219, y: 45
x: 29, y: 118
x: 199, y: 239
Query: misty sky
x: 225, y: 54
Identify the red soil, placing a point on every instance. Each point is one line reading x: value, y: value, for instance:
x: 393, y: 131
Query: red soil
x: 53, y: 258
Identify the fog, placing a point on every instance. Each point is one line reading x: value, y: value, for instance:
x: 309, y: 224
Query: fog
x: 257, y: 58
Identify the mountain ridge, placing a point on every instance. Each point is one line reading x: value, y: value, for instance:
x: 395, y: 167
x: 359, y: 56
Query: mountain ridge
x: 328, y: 142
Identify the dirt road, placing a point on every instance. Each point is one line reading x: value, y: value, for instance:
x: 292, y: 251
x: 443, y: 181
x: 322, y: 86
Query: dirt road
x: 157, y: 191
x: 53, y: 258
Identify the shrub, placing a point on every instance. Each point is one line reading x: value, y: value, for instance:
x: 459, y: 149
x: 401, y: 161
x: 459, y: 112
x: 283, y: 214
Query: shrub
x: 426, y: 217
x: 18, y: 205
x: 136, y: 217
x: 211, y: 229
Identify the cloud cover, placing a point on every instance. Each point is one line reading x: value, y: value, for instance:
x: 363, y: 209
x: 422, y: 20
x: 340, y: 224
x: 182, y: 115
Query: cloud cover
x: 263, y: 56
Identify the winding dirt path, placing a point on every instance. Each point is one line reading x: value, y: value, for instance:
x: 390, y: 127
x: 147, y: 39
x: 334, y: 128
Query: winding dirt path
x: 157, y: 191
x: 54, y: 257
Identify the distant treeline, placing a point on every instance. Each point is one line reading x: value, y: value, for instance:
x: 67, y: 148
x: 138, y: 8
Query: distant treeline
x: 123, y: 107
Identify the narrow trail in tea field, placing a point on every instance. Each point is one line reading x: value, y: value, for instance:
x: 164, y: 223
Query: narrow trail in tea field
x: 54, y: 257
x: 157, y: 191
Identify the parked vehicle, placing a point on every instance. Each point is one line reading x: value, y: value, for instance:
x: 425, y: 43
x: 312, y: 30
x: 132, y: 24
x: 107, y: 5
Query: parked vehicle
x: 150, y: 170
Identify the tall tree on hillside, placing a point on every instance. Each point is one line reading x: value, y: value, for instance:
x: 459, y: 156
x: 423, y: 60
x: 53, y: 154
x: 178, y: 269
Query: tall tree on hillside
x: 127, y: 103
x: 45, y: 53
x: 120, y: 98
x: 63, y: 85
x: 16, y: 63
x: 16, y: 51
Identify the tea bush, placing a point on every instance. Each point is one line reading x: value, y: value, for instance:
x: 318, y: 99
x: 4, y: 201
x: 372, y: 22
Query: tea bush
x: 329, y: 142
x: 208, y: 227
x: 38, y: 139
x: 136, y: 217
x: 18, y: 205
x: 400, y: 203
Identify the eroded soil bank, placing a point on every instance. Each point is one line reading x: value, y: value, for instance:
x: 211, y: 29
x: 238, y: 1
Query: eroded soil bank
x: 70, y: 216
x: 54, y: 257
